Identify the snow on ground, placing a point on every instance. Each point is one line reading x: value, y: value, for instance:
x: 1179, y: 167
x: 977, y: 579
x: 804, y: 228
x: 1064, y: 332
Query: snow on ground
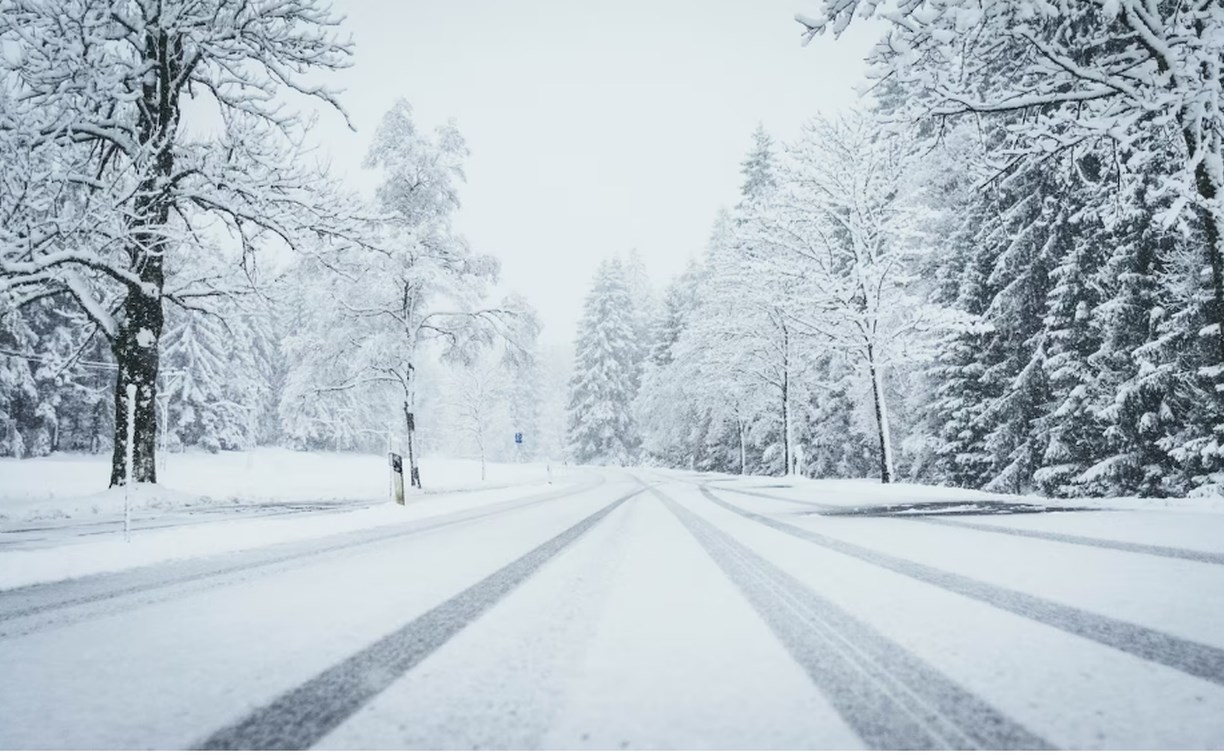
x: 203, y: 508
x: 164, y: 674
x: 1074, y: 692
x: 859, y: 492
x: 626, y: 640
x: 74, y: 485
x: 671, y: 623
x: 110, y: 552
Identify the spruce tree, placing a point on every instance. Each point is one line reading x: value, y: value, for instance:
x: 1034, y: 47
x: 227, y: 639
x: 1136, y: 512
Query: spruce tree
x: 1132, y: 393
x: 758, y: 168
x: 602, y: 389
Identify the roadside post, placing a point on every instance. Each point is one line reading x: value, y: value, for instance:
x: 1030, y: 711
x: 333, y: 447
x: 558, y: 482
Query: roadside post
x: 390, y: 451
x: 397, y: 477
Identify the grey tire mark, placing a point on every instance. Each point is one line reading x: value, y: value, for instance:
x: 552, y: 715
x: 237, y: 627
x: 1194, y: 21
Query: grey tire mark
x: 299, y: 718
x: 1191, y: 657
x: 889, y: 696
x: 20, y: 605
x: 1207, y: 557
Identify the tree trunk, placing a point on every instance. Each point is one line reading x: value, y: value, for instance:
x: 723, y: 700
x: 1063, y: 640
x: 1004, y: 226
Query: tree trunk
x: 788, y: 425
x: 881, y: 413
x: 414, y: 473
x: 136, y: 354
x: 95, y: 432
x: 743, y: 459
x: 786, y: 430
x: 135, y: 346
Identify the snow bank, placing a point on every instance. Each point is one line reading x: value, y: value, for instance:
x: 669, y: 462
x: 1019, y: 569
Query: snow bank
x: 865, y: 492
x: 74, y: 485
x: 110, y: 553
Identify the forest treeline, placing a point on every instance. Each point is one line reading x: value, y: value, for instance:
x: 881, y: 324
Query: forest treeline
x: 1004, y: 271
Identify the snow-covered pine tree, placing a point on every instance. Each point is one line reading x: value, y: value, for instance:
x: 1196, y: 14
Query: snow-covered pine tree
x: 1070, y: 427
x: 217, y: 379
x: 1133, y: 391
x: 645, y: 310
x: 961, y: 270
x: 666, y: 413
x: 601, y: 393
x: 759, y: 168
x: 195, y: 353
x: 834, y: 444
x: 1014, y: 355
x: 1127, y: 75
x: 1172, y: 368
x: 676, y: 308
x: 54, y: 381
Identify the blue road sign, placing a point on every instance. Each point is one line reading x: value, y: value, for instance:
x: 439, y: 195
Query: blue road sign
x: 518, y: 438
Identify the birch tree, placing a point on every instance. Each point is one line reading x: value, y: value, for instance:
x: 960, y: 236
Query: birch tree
x: 836, y: 230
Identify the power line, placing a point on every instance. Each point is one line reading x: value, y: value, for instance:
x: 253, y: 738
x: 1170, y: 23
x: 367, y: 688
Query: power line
x: 45, y: 361
x: 83, y: 363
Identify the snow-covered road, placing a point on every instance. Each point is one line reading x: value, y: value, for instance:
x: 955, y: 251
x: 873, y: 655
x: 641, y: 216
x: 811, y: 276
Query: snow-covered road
x: 642, y: 609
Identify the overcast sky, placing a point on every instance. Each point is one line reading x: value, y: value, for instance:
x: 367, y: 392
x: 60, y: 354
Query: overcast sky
x: 594, y: 127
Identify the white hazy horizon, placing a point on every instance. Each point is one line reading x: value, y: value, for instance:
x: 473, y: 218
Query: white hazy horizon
x: 593, y: 129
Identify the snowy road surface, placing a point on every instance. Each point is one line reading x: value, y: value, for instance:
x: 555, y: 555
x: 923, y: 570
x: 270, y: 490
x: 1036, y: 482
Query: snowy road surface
x: 643, y: 610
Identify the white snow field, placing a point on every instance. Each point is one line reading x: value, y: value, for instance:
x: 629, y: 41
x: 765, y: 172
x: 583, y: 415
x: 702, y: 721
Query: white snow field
x: 627, y: 609
x: 74, y: 485
x: 55, y: 524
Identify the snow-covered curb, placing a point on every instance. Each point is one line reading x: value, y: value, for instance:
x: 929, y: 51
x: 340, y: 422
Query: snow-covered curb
x: 73, y: 485
x: 853, y: 493
x: 110, y: 553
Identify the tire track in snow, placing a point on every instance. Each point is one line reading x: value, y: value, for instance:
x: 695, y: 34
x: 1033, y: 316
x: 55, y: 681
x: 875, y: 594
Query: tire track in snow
x: 20, y: 539
x: 889, y: 696
x: 1172, y: 552
x: 814, y: 506
x: 1191, y: 657
x: 301, y: 717
x: 21, y: 608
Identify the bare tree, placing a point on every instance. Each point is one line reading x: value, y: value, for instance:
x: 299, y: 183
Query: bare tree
x: 837, y: 230
x: 479, y: 396
x: 105, y: 183
x: 375, y: 309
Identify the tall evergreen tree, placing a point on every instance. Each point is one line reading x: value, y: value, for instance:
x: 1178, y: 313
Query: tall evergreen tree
x: 1133, y: 397
x: 759, y: 167
x: 602, y: 389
